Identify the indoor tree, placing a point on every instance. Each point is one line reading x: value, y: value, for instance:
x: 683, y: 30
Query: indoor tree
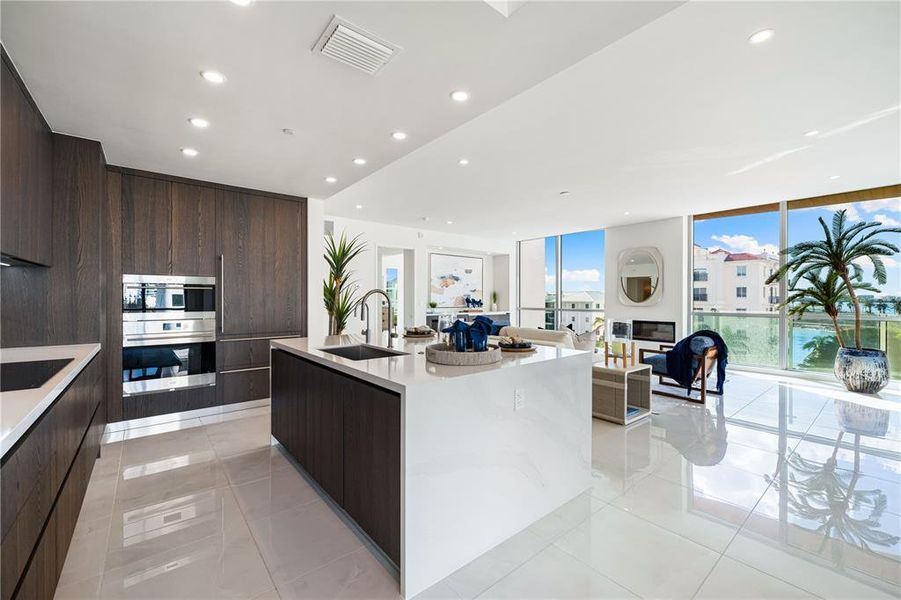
x: 339, y: 293
x: 812, y: 292
x: 841, y: 251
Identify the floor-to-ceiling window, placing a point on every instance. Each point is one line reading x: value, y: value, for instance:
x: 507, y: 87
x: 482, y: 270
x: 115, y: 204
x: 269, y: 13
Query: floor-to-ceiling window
x: 561, y: 281
x: 812, y: 342
x: 734, y: 252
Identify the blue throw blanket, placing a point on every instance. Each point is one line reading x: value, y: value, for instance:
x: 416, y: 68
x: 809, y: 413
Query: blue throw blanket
x: 680, y: 365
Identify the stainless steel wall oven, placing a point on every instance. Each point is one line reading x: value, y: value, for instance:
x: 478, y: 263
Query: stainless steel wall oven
x: 168, y: 333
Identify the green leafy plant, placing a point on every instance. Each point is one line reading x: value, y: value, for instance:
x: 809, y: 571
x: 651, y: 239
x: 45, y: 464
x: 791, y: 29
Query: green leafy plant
x: 433, y: 304
x: 339, y: 293
x: 844, y: 246
x: 494, y: 297
x: 813, y: 292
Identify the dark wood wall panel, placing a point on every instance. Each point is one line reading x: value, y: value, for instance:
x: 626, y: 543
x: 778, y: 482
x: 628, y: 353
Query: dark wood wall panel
x: 76, y: 281
x: 63, y: 304
x: 26, y: 172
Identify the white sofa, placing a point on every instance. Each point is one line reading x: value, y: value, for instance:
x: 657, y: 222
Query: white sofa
x: 542, y: 337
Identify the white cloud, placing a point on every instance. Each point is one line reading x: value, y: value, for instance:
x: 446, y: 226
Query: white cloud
x: 746, y: 243
x: 576, y: 275
x: 887, y: 220
x: 581, y: 275
x: 860, y: 211
x: 864, y: 262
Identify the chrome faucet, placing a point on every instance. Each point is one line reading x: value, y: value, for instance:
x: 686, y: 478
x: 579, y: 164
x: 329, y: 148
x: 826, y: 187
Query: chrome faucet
x: 364, y: 313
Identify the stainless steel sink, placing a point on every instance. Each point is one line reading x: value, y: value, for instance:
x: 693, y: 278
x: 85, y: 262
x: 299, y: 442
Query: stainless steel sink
x: 362, y: 352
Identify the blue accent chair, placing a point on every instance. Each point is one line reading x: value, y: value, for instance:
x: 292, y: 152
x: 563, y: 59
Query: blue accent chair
x: 703, y: 363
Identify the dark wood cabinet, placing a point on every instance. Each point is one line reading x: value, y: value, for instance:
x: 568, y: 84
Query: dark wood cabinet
x: 372, y: 464
x: 262, y: 279
x: 168, y: 227
x: 243, y: 385
x: 193, y: 232
x: 146, y: 231
x: 150, y: 405
x: 44, y: 477
x: 346, y: 434
x: 26, y: 172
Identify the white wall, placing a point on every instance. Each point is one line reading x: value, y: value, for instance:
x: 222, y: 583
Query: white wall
x: 670, y: 236
x: 317, y: 320
x: 366, y: 271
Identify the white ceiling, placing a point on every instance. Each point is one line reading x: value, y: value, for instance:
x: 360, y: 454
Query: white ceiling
x: 681, y: 116
x: 126, y: 73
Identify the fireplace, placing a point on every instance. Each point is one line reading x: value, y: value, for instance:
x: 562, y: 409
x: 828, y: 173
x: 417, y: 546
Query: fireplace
x: 654, y: 331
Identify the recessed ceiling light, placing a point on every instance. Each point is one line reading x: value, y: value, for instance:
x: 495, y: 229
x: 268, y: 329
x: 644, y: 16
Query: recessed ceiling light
x: 512, y: 233
x: 761, y: 36
x: 812, y: 133
x: 213, y: 76
x: 360, y: 161
x: 399, y: 135
x: 331, y: 179
x: 626, y: 213
x: 242, y: 2
x: 199, y: 122
x: 189, y: 152
x: 359, y: 206
x: 450, y: 222
x: 459, y: 95
x: 288, y: 131
x: 834, y: 176
x: 463, y: 161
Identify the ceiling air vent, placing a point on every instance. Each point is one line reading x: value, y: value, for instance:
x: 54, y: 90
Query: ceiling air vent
x: 355, y: 47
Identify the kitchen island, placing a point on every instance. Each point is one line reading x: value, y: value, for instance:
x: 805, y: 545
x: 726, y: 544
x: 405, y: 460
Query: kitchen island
x: 436, y: 464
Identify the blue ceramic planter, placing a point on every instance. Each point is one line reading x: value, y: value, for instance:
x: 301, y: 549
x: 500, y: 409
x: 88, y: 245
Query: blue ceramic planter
x: 865, y: 371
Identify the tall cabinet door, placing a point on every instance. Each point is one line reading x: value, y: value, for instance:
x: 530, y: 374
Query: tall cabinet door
x: 146, y: 231
x: 259, y: 241
x: 193, y: 230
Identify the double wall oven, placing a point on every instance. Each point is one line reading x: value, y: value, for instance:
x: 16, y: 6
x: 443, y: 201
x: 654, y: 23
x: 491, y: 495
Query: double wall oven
x: 168, y: 333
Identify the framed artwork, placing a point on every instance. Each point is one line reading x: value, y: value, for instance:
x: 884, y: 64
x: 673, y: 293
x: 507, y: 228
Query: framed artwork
x: 453, y: 278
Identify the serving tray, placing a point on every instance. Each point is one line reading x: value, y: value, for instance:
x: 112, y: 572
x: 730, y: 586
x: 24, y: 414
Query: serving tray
x: 443, y: 354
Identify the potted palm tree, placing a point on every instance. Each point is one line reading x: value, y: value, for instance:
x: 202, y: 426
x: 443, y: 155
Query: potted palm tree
x: 840, y: 255
x: 339, y: 293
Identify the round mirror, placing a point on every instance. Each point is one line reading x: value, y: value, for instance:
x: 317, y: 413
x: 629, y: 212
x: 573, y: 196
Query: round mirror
x: 639, y: 275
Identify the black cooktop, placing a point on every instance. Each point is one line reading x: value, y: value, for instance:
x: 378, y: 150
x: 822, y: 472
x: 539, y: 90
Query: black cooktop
x: 29, y: 375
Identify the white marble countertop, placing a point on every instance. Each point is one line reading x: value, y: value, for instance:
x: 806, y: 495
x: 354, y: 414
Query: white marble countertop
x: 397, y: 373
x: 20, y: 409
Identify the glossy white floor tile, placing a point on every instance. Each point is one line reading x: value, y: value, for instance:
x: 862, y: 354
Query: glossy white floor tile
x: 781, y: 489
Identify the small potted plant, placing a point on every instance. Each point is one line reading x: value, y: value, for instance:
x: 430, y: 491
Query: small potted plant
x: 433, y: 305
x: 839, y: 256
x: 493, y: 301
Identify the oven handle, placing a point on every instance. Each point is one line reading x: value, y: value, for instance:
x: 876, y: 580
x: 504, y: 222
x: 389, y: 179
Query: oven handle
x: 167, y: 286
x: 221, y: 293
x: 145, y: 340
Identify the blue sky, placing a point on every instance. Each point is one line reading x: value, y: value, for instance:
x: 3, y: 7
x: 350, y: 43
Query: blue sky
x: 759, y: 232
x: 583, y: 261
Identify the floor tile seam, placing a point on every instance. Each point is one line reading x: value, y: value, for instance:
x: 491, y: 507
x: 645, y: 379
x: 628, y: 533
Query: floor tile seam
x: 707, y: 576
x: 719, y: 463
x: 681, y: 535
x: 773, y: 575
x: 581, y: 561
x: 803, y: 554
x: 544, y: 546
x: 253, y: 538
x: 314, y: 569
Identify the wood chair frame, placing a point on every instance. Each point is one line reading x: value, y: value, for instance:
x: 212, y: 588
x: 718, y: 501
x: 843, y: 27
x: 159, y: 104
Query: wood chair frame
x: 706, y: 362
